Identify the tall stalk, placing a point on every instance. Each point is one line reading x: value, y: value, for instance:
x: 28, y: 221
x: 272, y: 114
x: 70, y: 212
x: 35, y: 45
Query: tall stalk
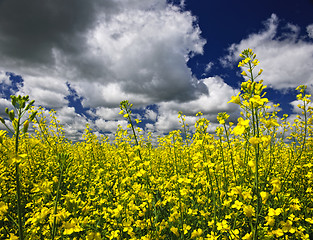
x: 19, y: 109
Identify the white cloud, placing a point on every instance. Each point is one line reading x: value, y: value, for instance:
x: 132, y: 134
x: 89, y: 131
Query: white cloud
x: 309, y: 30
x: 150, y: 115
x: 286, y: 59
x: 209, y: 67
x: 145, y: 53
x: 110, y: 126
x: 45, y: 90
x: 209, y: 104
x: 108, y: 113
x: 4, y: 78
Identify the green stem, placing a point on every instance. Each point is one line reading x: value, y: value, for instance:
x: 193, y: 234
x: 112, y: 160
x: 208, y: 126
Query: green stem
x: 17, y: 179
x: 19, y: 207
x: 56, y: 203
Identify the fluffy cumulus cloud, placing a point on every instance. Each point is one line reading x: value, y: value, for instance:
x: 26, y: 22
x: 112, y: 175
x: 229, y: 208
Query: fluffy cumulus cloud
x: 107, y: 51
x: 110, y: 51
x: 286, y: 57
x: 210, y: 104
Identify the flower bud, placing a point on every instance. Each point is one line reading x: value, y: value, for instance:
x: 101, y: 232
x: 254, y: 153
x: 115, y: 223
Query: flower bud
x: 25, y: 127
x: 11, y: 115
x: 31, y: 118
x: 15, y: 124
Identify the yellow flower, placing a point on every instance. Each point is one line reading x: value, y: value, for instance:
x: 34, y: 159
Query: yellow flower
x: 278, y: 233
x: 247, y: 60
x: 93, y: 236
x: 255, y: 141
x: 235, y: 100
x: 274, y: 212
x: 2, y: 134
x: 222, y: 226
x: 255, y: 62
x: 244, y: 73
x: 196, y: 233
x: 309, y: 220
x: 237, y: 205
x: 257, y: 101
x: 276, y: 185
x: 264, y: 196
x: 266, y: 140
x: 241, y: 126
x: 186, y: 228
x: 248, y: 210
x: 3, y: 209
x: 270, y: 221
x: 12, y: 237
x: 175, y: 231
x: 248, y: 236
x: 251, y: 164
x: 71, y: 227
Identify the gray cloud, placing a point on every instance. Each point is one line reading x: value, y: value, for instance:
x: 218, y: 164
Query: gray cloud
x: 108, y: 51
x: 129, y: 48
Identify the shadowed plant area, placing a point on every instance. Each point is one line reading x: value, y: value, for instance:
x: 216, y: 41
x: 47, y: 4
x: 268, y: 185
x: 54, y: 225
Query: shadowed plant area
x: 250, y: 180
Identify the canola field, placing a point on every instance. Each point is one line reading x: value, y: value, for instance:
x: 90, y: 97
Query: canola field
x: 251, y: 179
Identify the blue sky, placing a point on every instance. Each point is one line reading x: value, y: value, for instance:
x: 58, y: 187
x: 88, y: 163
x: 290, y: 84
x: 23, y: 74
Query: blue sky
x: 82, y: 58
